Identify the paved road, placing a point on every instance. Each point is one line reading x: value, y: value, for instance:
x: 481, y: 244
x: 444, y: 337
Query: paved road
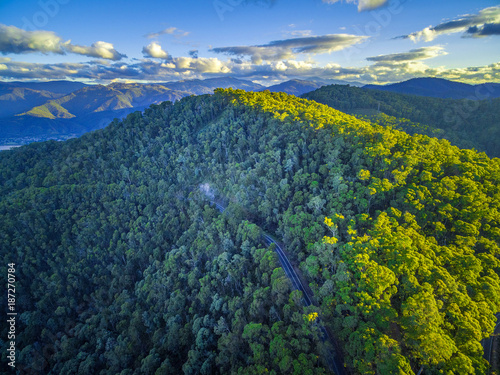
x: 333, y: 360
x: 292, y: 275
x: 287, y: 267
x: 219, y: 207
x: 488, y: 343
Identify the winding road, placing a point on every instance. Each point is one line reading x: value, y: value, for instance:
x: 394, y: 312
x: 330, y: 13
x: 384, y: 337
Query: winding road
x: 334, y: 362
x: 333, y: 359
x: 488, y: 342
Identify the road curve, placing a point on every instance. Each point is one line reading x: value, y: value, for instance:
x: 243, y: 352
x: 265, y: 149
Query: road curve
x: 333, y: 359
x: 488, y: 342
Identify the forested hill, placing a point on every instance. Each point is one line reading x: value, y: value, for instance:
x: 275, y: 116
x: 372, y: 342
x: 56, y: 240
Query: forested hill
x: 123, y: 267
x: 465, y: 123
x: 441, y: 88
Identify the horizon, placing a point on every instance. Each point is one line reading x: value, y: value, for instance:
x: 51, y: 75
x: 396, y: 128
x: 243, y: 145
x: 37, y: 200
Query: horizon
x: 263, y: 41
x: 230, y: 77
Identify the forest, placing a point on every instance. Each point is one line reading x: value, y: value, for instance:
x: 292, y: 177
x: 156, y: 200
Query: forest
x: 466, y: 123
x: 124, y: 266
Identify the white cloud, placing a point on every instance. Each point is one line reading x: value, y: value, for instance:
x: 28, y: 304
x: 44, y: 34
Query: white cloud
x: 201, y: 65
x: 300, y: 33
x: 414, y: 54
x: 288, y: 48
x: 18, y: 41
x: 99, y: 49
x: 362, y: 4
x: 15, y: 40
x: 385, y: 69
x: 168, y: 31
x: 154, y: 49
x: 486, y: 22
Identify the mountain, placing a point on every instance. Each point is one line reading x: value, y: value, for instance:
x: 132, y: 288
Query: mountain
x: 14, y: 100
x: 207, y: 86
x: 295, y: 87
x: 468, y: 124
x: 326, y: 81
x: 99, y: 98
x: 37, y: 115
x: 124, y: 262
x: 92, y: 107
x: 56, y: 87
x: 441, y: 88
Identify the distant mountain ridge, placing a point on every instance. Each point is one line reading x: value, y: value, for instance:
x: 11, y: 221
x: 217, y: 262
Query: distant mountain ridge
x: 441, y: 88
x: 295, y: 87
x: 207, y: 86
x: 39, y: 109
x: 16, y: 100
x: 58, y: 87
x: 27, y: 112
x: 99, y: 98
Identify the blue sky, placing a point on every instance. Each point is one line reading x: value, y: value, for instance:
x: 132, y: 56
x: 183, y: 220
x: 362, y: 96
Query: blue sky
x: 268, y: 41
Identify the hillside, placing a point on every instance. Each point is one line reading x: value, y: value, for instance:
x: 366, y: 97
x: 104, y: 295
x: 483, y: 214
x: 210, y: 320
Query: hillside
x: 14, y: 100
x: 100, y: 98
x: 295, y: 87
x: 441, y: 88
x: 465, y: 123
x: 121, y: 263
x: 51, y: 114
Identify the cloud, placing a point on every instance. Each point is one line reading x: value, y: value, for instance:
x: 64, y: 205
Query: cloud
x: 300, y: 33
x: 193, y: 53
x: 201, y: 65
x: 154, y: 49
x: 362, y: 4
x: 412, y: 55
x: 384, y: 69
x: 288, y: 48
x: 18, y: 41
x: 15, y: 40
x: 485, y: 30
x: 99, y: 49
x: 170, y: 31
x: 486, y: 22
x: 23, y: 70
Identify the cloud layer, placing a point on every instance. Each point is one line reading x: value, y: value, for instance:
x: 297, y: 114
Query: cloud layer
x: 484, y: 23
x: 383, y: 69
x: 273, y: 61
x: 18, y: 41
x: 288, y: 48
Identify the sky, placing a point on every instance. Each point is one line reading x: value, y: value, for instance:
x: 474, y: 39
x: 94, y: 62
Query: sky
x: 266, y: 41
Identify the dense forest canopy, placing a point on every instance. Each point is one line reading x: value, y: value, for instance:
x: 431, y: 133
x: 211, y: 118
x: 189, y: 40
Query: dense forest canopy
x: 465, y: 123
x: 124, y: 267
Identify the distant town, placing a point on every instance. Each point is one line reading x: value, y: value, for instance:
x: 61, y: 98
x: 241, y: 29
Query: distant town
x: 8, y: 143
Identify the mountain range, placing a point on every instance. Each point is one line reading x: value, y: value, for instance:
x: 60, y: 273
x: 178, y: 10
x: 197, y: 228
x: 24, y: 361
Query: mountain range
x: 33, y: 111
x: 37, y: 111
